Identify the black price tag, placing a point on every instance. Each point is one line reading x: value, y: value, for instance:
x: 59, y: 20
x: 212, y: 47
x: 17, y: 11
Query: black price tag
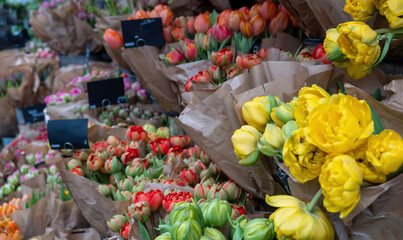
x: 140, y: 32
x: 31, y: 114
x: 106, y: 92
x: 256, y: 46
x: 68, y: 134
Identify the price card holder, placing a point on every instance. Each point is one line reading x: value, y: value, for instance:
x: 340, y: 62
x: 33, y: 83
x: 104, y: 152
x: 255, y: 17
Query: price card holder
x: 68, y: 134
x: 140, y: 32
x: 106, y: 92
x: 256, y: 46
x: 32, y: 114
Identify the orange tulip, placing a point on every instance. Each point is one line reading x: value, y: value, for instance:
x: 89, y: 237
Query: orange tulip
x: 167, y: 32
x: 255, y: 10
x: 293, y: 22
x: 262, y: 53
x: 202, y: 23
x: 160, y: 7
x: 167, y: 17
x: 148, y: 14
x: 180, y: 21
x: 190, y: 25
x: 222, y: 58
x: 154, y: 14
x: 258, y: 25
x: 223, y: 17
x: 113, y: 38
x: 248, y: 61
x: 179, y: 34
x: 174, y: 58
x: 140, y: 14
x: 246, y: 28
x: 268, y: 10
x: 245, y: 12
x: 279, y: 23
x: 235, y: 19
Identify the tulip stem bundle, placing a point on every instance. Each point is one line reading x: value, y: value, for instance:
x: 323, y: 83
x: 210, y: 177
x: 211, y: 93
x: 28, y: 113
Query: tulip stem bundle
x: 314, y: 201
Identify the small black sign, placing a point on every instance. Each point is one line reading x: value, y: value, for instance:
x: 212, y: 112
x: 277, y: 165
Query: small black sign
x: 31, y: 114
x: 68, y: 134
x: 140, y: 32
x: 256, y: 46
x: 106, y: 92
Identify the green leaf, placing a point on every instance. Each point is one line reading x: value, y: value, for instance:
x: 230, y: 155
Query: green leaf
x: 341, y: 86
x: 224, y: 43
x: 238, y: 235
x: 378, y: 126
x: 213, y: 17
x: 157, y: 173
x: 143, y: 232
x: 126, y: 215
x: 377, y: 95
x: 384, y: 51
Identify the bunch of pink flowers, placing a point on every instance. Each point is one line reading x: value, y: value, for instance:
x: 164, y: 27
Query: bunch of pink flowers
x: 62, y: 97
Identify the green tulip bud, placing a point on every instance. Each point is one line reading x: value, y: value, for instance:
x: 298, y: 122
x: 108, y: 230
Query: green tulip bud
x: 216, y: 213
x: 272, y: 141
x: 184, y: 211
x: 213, y: 234
x: 259, y: 228
x: 116, y: 223
x: 104, y: 190
x: 186, y: 230
x: 289, y: 128
x: 149, y: 128
x: 164, y: 236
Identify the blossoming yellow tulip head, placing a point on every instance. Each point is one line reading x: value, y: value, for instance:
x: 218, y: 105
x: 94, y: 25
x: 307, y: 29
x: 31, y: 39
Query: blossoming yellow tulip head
x: 303, y: 158
x: 308, y: 99
x: 292, y: 220
x: 340, y: 124
x: 332, y: 49
x: 272, y: 140
x: 256, y: 113
x: 340, y: 180
x: 385, y: 151
x: 392, y: 10
x: 360, y: 10
x: 245, y: 141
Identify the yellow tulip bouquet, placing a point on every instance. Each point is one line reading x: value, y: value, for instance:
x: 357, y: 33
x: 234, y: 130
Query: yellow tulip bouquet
x: 318, y: 135
x: 354, y: 45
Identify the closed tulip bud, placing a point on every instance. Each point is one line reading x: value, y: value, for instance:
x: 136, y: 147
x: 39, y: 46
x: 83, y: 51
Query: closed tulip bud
x: 113, y: 165
x: 217, y: 74
x: 112, y: 140
x: 220, y: 32
x: 245, y: 141
x: 242, y: 223
x: 160, y: 145
x: 104, y: 190
x: 233, y: 190
x: 116, y: 223
x: 149, y: 128
x: 216, y: 213
x: 164, y: 236
x: 282, y: 114
x: 262, y: 53
x: 178, y: 34
x: 115, y: 151
x: 82, y: 155
x: 140, y: 14
x: 94, y: 163
x: 268, y: 10
x: 202, y: 23
x: 209, y: 42
x: 125, y: 231
x: 152, y: 136
x: 235, y: 19
x: 190, y: 25
x: 259, y: 228
x: 181, y: 140
x: 136, y: 133
x: 129, y: 155
x: 215, y: 170
x: 289, y: 128
x: 73, y: 163
x: 237, y: 211
x: 133, y: 171
x: 217, y: 192
x: 188, y: 177
x: 272, y: 141
x: 123, y: 195
x: 213, y: 233
x: 180, y: 21
x: 126, y: 184
x: 189, y: 52
x: 174, y: 58
x: 138, y: 187
x: 201, y: 191
x: 206, y: 173
x: 222, y: 58
x: 113, y: 38
x: 116, y: 178
x: 187, y: 230
x: 193, y: 152
x: 204, y: 158
x: 254, y: 11
x: 199, y: 40
x: 223, y: 17
x: 198, y: 166
x: 246, y: 28
x: 140, y: 211
x: 185, y: 211
x: 163, y: 132
x: 167, y: 32
x: 166, y: 17
x: 279, y: 23
x: 207, y: 181
x: 256, y: 113
x: 258, y: 25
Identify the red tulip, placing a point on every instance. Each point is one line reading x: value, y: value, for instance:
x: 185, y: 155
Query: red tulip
x: 268, y: 10
x: 174, y: 57
x: 202, y: 76
x: 140, y: 14
x: 160, y: 7
x: 237, y: 211
x: 193, y: 152
x: 136, y: 133
x: 166, y: 17
x: 188, y: 84
x: 140, y: 161
x: 189, y: 50
x: 190, y: 25
x: 258, y: 25
x: 262, y: 53
x: 245, y: 12
x: 223, y: 17
x: 216, y: 192
x: 78, y: 171
x: 161, y: 144
x: 233, y: 72
x: 113, y: 38
x: 99, y: 147
x: 176, y: 152
x: 220, y: 32
x: 178, y: 34
x: 279, y: 23
x: 233, y: 190
x: 246, y: 28
x: 235, y: 19
x: 115, y: 151
x: 94, y: 163
x: 174, y: 182
x: 81, y: 155
x: 153, y: 198
x: 202, y: 23
x: 129, y: 155
x: 180, y: 140
x: 188, y: 177
x: 255, y: 10
x: 222, y: 58
x: 124, y: 232
x: 167, y: 32
x: 319, y: 53
x: 248, y: 61
x: 201, y: 191
x: 172, y: 198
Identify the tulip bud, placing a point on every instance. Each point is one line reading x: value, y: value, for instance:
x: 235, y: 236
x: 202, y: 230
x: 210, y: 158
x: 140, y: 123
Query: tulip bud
x: 215, y: 170
x: 136, y: 133
x: 174, y: 57
x: 199, y: 40
x: 246, y: 28
x: 213, y: 233
x: 167, y: 33
x: 282, y: 114
x: 116, y: 223
x: 257, y: 112
x: 104, y: 190
x: 73, y: 163
x: 268, y: 10
x: 94, y: 163
x: 163, y: 132
x: 113, y: 165
x: 178, y: 34
x: 217, y: 192
x: 189, y: 51
x: 223, y: 17
x: 113, y: 38
x: 289, y: 128
x: 125, y: 231
x: 82, y: 155
x: 24, y: 169
x: 237, y: 212
x: 198, y: 166
x: 190, y: 25
x: 201, y: 191
x: 272, y: 141
x: 202, y: 23
x: 222, y: 58
x: 207, y: 181
x: 149, y: 128
x: 233, y: 190
x: 209, y: 42
x: 129, y: 155
x: 182, y: 141
x: 216, y: 213
x: 220, y: 32
x: 235, y: 19
x: 185, y: 211
x: 259, y: 228
x: 166, y: 16
x: 164, y: 236
x: 217, y: 74
x: 258, y: 25
x: 140, y: 211
x: 193, y: 152
x: 112, y: 140
x: 206, y: 173
x: 187, y: 230
x: 279, y: 23
x: 254, y: 11
x: 126, y: 184
x: 188, y: 177
x: 262, y: 53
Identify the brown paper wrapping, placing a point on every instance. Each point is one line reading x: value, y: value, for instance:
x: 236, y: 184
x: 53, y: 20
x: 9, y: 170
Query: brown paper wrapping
x: 282, y: 40
x: 76, y: 234
x: 63, y: 31
x: 142, y: 62
x: 394, y: 94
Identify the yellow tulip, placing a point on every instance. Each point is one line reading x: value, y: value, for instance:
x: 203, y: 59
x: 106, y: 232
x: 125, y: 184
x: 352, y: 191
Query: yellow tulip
x: 256, y: 113
x: 295, y: 220
x: 308, y: 99
x: 358, y: 42
x: 358, y: 71
x: 332, y: 49
x: 392, y: 10
x: 282, y: 114
x: 245, y: 141
x: 360, y: 10
x: 303, y: 158
x: 340, y: 180
x: 385, y: 151
x: 272, y: 140
x: 340, y: 124
x: 289, y: 128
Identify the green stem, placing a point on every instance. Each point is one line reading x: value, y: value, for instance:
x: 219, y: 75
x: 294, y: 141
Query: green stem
x: 315, y: 199
x: 388, y: 30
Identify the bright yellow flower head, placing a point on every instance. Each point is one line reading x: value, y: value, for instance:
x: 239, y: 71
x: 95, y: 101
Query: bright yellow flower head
x: 292, y: 220
x: 272, y: 140
x: 392, y: 10
x: 256, y: 113
x: 308, y: 99
x: 332, y: 49
x: 358, y: 42
x: 303, y: 158
x: 358, y: 71
x: 340, y: 180
x: 360, y: 10
x: 340, y: 124
x: 385, y: 151
x: 245, y: 142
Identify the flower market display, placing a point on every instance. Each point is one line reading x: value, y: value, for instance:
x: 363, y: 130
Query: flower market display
x: 201, y: 120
